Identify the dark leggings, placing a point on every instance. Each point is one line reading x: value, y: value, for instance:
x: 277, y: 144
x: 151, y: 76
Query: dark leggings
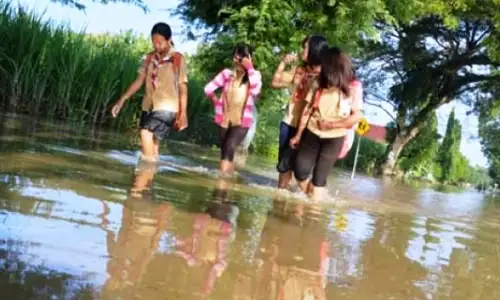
x: 317, y: 153
x: 286, y: 155
x: 230, y: 139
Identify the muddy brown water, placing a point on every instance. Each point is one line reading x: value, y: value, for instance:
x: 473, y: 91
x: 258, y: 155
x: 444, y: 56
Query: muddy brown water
x: 81, y: 219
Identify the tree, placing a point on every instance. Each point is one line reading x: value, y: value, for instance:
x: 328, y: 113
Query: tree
x: 423, y: 53
x: 489, y: 131
x: 427, y: 64
x: 79, y: 5
x: 418, y: 157
x: 449, y: 152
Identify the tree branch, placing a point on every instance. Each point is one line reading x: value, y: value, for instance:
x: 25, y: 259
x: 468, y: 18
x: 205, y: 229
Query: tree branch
x: 382, y: 108
x: 382, y: 99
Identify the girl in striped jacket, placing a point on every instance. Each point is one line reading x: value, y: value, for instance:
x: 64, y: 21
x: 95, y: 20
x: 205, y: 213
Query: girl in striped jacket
x: 234, y: 108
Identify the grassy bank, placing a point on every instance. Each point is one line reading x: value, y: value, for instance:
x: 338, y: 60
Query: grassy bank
x: 50, y: 71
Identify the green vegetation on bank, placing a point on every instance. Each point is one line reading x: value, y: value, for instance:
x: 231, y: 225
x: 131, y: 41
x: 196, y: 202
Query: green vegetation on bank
x: 49, y: 71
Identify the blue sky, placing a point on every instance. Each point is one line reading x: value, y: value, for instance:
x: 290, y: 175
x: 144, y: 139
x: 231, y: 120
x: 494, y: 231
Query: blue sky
x: 114, y: 18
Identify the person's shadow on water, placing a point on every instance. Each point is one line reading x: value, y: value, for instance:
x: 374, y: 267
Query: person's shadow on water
x: 212, y: 233
x: 142, y: 225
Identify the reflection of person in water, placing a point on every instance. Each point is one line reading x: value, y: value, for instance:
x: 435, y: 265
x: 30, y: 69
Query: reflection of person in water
x: 143, y: 179
x: 143, y: 223
x: 213, y: 231
x: 293, y: 268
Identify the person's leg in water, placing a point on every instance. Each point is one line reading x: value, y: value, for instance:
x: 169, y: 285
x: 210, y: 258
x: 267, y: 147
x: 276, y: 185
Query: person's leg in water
x: 148, y: 145
x: 306, y: 158
x: 230, y: 139
x: 157, y: 143
x: 328, y: 155
x: 286, y: 155
x: 143, y: 179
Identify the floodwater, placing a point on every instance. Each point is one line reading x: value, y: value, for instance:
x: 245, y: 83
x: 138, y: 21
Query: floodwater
x: 80, y: 219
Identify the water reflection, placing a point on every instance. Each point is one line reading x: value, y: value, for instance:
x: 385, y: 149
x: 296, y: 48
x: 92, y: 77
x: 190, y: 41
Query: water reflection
x: 96, y: 224
x: 294, y: 253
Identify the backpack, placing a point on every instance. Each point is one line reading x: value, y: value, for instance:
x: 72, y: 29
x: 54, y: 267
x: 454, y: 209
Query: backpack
x: 176, y: 63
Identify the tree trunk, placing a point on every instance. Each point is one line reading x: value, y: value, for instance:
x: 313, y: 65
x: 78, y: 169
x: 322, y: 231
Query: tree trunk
x: 391, y: 157
x: 388, y: 168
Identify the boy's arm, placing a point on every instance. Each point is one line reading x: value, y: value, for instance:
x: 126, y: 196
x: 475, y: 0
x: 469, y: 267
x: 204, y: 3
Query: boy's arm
x: 132, y: 89
x: 304, y: 118
x: 183, y: 94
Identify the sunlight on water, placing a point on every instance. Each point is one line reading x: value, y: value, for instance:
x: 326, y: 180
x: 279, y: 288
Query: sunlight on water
x: 80, y: 218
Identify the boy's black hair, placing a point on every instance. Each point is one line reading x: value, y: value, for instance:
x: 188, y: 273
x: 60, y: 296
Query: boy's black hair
x: 162, y: 29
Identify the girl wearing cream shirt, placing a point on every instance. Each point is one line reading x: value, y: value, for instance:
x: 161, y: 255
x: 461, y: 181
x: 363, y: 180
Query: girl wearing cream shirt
x: 334, y: 105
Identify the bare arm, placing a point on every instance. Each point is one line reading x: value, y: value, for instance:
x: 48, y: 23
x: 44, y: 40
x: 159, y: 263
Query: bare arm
x: 282, y: 79
x: 132, y: 89
x: 182, y: 120
x: 304, y: 119
x: 183, y: 97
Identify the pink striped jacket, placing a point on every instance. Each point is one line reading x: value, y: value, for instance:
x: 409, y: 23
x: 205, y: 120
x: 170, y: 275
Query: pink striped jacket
x: 223, y: 79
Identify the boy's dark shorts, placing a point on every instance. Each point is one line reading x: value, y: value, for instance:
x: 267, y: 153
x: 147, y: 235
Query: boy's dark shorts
x: 158, y: 122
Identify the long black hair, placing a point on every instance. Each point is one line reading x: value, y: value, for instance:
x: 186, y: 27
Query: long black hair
x: 243, y: 50
x: 336, y: 71
x: 317, y: 48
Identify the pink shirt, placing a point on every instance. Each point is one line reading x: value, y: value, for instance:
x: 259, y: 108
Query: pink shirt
x: 223, y: 80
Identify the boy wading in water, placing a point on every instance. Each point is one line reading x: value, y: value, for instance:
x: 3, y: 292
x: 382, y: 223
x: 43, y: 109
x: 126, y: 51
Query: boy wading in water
x: 299, y: 79
x: 165, y: 102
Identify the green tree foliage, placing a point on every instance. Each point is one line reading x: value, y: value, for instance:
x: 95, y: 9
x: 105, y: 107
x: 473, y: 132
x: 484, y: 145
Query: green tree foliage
x: 489, y: 131
x: 81, y: 6
x: 424, y: 53
x: 449, y: 156
x: 428, y: 64
x: 418, y: 157
x: 369, y: 153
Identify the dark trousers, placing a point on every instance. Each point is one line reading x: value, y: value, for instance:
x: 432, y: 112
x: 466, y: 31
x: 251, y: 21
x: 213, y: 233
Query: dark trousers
x: 230, y: 139
x: 317, y: 155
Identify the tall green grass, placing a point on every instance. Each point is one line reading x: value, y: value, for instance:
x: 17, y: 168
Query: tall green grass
x: 50, y: 71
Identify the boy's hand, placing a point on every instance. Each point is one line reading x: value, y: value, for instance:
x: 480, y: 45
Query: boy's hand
x: 181, y: 122
x: 116, y: 108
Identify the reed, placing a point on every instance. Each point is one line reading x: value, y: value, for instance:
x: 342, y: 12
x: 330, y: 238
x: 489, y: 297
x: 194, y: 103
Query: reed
x: 48, y: 71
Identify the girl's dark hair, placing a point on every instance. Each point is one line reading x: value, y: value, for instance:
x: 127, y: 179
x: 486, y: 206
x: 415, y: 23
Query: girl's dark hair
x: 336, y: 71
x: 243, y: 50
x: 162, y: 29
x: 317, y: 47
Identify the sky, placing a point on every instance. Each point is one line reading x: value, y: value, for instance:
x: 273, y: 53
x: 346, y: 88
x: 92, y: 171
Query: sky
x: 116, y: 18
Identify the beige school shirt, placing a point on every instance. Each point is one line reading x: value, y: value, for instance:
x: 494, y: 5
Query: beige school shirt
x: 294, y: 109
x: 334, y: 105
x: 166, y: 94
x: 234, y: 103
